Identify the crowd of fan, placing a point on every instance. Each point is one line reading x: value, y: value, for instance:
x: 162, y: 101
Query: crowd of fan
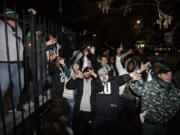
x: 91, y: 90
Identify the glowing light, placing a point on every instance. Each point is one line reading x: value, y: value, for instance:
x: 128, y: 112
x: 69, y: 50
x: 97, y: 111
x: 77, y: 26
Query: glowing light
x: 156, y: 53
x: 138, y: 21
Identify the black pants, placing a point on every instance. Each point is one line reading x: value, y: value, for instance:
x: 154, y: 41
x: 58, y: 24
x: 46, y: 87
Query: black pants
x: 130, y: 106
x: 103, y: 125
x: 82, y: 123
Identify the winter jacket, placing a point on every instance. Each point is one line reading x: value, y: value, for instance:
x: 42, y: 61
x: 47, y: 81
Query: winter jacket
x: 107, y: 102
x: 15, y: 50
x: 40, y: 51
x: 58, y: 79
x: 96, y: 86
x: 161, y: 100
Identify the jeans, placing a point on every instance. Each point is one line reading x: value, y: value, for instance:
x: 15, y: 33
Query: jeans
x: 41, y: 76
x: 71, y: 103
x: 41, y: 80
x: 15, y: 78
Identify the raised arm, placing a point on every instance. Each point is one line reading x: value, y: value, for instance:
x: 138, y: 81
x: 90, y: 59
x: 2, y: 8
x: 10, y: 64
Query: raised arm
x: 119, y: 66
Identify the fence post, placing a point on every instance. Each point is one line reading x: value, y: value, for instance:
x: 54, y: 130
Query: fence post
x: 2, y: 112
x: 34, y: 74
x: 9, y: 67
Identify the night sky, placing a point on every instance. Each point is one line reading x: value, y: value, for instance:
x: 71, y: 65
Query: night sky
x: 45, y: 8
x: 84, y: 14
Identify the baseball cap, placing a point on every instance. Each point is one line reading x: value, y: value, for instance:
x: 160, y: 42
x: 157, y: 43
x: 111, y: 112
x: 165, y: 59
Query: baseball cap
x: 11, y: 13
x: 87, y: 69
x: 163, y: 70
x: 102, y: 71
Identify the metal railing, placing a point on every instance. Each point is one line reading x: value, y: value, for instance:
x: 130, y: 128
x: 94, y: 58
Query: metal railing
x: 29, y: 72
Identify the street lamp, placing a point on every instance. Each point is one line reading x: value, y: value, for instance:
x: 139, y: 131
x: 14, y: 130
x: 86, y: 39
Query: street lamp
x: 137, y: 28
x: 138, y: 21
x: 94, y: 35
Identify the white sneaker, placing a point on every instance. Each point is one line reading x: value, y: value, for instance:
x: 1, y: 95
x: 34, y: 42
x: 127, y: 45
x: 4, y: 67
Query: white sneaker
x: 16, y: 110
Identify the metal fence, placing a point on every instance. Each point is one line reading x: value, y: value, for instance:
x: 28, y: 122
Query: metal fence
x: 24, y: 70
